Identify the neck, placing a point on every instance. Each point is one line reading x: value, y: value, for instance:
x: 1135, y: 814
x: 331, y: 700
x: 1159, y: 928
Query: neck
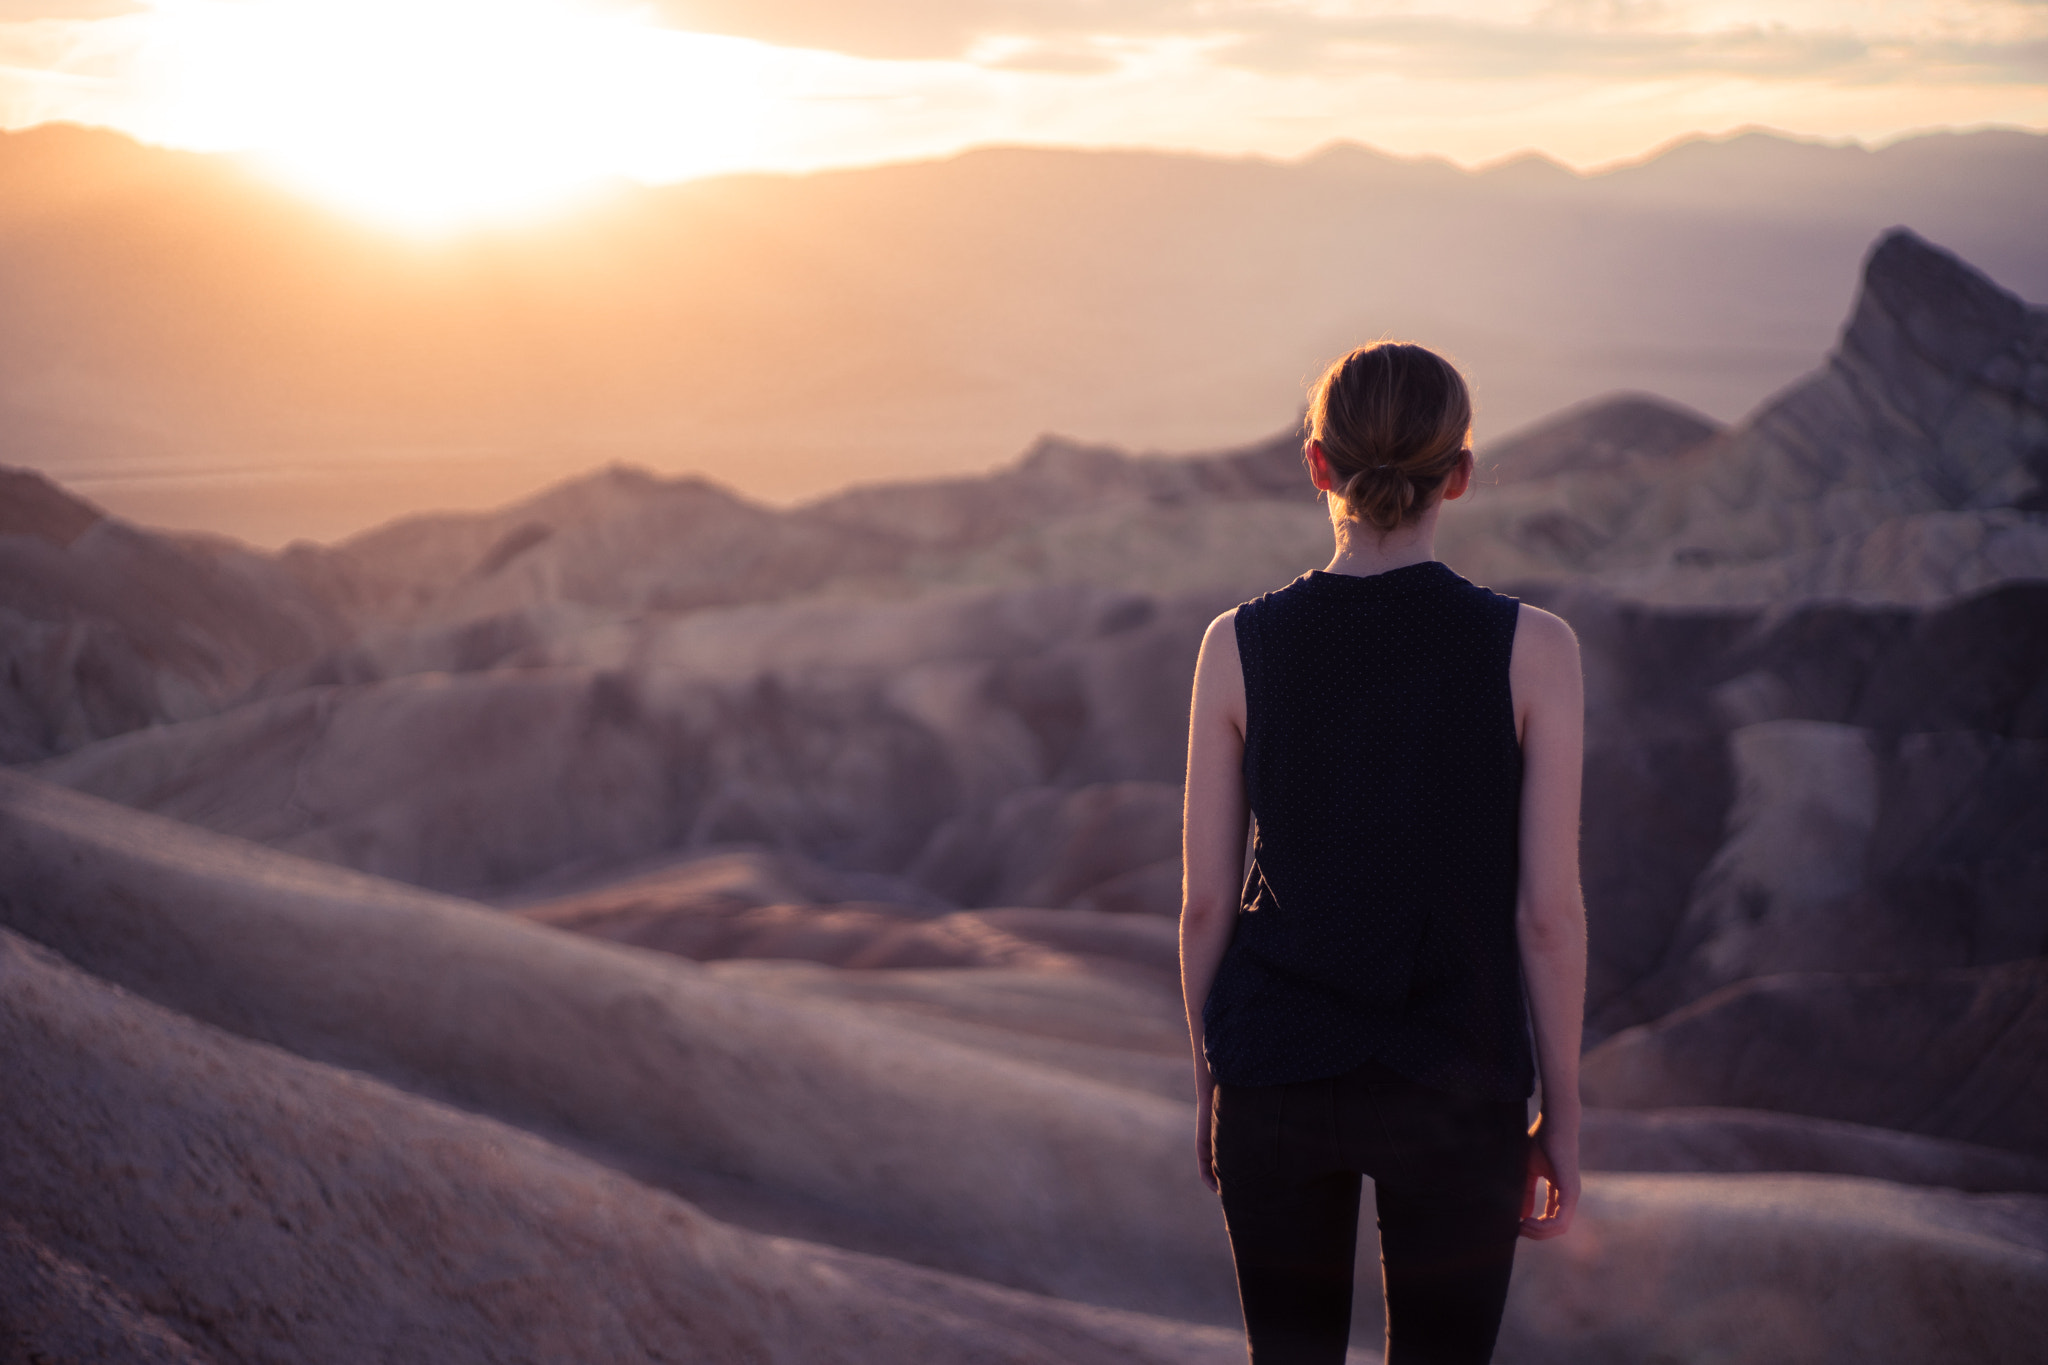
x: 1362, y: 551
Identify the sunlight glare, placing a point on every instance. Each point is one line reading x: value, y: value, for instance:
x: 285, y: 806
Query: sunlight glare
x: 438, y: 114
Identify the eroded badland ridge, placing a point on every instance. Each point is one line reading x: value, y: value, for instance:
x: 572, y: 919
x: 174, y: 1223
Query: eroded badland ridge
x: 642, y: 923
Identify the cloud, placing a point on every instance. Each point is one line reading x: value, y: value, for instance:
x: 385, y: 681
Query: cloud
x: 937, y: 29
x: 1060, y: 59
x: 1457, y: 48
x: 1845, y: 40
x: 1461, y: 50
x: 888, y: 29
x: 23, y: 11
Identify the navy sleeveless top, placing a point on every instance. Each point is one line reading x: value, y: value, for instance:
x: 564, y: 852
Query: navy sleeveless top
x: 1385, y: 779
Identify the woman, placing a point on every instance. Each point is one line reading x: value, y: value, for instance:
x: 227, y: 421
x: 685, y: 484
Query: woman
x: 1362, y: 981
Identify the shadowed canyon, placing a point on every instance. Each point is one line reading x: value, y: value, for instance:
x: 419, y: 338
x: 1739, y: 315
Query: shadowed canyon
x: 642, y: 923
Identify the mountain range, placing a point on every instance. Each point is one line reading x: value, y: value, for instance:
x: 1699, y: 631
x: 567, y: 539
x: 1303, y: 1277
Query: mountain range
x: 193, y: 347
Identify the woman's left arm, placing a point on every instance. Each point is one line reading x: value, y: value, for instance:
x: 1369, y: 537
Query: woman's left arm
x: 1213, y: 824
x: 1550, y: 913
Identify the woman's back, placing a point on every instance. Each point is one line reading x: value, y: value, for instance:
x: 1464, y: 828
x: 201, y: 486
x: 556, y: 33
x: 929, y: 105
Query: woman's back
x: 1383, y: 772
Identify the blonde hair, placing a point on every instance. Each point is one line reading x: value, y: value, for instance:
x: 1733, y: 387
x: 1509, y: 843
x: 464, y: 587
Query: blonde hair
x: 1392, y: 419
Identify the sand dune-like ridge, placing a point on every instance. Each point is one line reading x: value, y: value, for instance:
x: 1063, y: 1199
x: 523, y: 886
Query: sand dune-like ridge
x: 179, y: 1194
x: 1012, y: 1172
x: 836, y: 1123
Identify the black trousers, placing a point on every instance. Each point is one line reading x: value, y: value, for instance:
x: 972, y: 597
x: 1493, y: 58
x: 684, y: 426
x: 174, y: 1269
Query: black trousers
x: 1448, y: 1176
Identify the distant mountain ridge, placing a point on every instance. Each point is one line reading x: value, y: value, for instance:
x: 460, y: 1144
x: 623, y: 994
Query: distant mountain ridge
x: 1904, y: 471
x: 1926, y: 428
x: 190, y: 346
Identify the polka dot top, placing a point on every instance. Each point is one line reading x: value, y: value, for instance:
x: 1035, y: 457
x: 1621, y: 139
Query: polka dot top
x: 1385, y: 778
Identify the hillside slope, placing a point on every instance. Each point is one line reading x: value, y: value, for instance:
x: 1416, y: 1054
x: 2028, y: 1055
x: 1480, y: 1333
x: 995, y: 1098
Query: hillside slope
x: 342, y: 1215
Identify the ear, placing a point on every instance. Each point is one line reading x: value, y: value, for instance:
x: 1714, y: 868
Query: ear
x: 1318, y: 466
x: 1460, y: 478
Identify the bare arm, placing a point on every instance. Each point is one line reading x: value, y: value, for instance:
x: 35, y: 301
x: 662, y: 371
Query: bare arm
x: 1212, y: 846
x: 1550, y: 912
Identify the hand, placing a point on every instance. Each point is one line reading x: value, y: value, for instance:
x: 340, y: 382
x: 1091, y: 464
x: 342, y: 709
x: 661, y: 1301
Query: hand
x: 1205, y: 1153
x: 1559, y: 1171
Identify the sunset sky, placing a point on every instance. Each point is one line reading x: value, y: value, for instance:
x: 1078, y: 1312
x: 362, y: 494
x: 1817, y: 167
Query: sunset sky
x: 432, y: 111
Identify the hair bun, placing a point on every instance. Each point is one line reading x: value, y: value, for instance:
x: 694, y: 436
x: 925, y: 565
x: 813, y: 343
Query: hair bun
x: 1392, y: 419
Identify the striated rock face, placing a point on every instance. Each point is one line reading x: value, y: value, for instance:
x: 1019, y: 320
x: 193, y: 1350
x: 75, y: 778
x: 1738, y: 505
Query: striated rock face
x: 1934, y: 405
x: 1839, y: 855
x: 943, y: 739
x: 1922, y: 560
x: 1834, y: 789
x: 1936, y: 400
x: 488, y: 780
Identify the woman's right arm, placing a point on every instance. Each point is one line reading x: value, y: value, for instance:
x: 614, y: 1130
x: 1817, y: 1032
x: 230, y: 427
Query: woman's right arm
x: 1213, y: 825
x: 1550, y: 912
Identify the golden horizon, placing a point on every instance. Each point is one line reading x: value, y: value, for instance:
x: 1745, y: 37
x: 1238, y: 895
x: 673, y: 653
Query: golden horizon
x: 434, y: 115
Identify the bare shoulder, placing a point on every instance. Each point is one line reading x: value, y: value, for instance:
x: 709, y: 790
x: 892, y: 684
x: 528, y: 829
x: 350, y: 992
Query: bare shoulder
x: 1543, y: 670
x: 1219, y: 676
x: 1544, y: 643
x: 1218, y: 659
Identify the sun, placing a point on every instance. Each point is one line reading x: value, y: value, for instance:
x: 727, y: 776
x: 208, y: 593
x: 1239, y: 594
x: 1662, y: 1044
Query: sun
x: 433, y: 115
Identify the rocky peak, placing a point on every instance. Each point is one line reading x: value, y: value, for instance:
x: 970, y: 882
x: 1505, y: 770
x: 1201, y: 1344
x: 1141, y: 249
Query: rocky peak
x: 1922, y: 307
x: 1906, y: 469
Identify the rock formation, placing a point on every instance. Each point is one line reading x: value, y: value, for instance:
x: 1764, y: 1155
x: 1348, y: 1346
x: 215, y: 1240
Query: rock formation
x: 1934, y: 405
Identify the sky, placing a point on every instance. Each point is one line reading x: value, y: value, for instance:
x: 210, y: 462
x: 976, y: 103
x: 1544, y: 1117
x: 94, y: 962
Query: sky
x: 431, y: 112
